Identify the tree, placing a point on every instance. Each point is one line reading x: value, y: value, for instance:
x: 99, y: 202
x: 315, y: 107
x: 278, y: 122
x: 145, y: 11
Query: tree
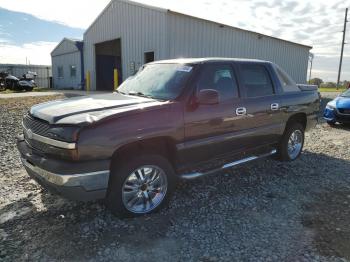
x: 345, y: 84
x: 329, y: 85
x: 316, y: 81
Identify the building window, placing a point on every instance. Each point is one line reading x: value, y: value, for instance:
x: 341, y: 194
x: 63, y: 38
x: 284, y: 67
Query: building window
x: 73, y: 71
x: 149, y: 57
x: 60, y: 71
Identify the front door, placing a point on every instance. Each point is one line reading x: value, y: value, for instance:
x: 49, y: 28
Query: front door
x: 209, y: 128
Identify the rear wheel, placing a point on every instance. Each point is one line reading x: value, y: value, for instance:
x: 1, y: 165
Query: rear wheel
x: 140, y: 185
x: 292, y: 142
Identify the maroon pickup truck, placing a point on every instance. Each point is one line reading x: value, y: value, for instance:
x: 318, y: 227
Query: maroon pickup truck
x: 175, y: 119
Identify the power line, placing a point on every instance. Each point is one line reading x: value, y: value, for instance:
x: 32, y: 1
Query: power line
x: 342, y: 46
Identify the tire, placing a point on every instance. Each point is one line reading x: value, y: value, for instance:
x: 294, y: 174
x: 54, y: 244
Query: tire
x: 284, y: 151
x: 331, y: 123
x: 29, y: 89
x: 127, y: 196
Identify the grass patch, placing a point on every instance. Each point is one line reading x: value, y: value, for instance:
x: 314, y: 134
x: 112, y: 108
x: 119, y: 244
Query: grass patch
x: 331, y: 89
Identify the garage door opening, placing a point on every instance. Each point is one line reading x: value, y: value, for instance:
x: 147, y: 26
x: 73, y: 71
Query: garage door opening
x: 108, y: 58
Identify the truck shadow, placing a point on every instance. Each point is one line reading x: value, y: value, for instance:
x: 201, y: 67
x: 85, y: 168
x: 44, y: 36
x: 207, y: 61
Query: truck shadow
x: 315, y: 196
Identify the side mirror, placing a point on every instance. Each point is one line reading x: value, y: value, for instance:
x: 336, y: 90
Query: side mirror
x: 208, y: 97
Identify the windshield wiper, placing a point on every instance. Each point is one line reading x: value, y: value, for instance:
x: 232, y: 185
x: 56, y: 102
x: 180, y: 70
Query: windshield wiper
x: 134, y: 93
x: 120, y: 92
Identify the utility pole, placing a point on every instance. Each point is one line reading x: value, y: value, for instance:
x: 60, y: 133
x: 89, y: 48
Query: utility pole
x: 311, y: 58
x: 342, y: 47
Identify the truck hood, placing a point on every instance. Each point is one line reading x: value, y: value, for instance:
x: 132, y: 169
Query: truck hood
x: 89, y: 109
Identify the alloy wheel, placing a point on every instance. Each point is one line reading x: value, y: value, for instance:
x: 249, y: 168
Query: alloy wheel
x: 295, y: 144
x: 144, y: 189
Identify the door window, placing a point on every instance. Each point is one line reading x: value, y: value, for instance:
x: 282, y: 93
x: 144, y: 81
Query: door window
x: 256, y: 80
x: 220, y: 78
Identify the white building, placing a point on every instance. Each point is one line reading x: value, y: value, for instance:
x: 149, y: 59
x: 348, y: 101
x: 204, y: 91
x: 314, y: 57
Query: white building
x: 68, y: 64
x: 128, y: 34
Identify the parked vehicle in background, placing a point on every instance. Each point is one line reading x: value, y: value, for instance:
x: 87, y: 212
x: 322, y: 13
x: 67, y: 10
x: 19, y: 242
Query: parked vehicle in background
x: 175, y: 119
x: 2, y: 81
x: 338, y: 110
x: 26, y: 82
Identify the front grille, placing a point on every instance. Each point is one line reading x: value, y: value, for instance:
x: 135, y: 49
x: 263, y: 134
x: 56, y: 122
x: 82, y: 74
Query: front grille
x: 37, y: 126
x: 42, y: 147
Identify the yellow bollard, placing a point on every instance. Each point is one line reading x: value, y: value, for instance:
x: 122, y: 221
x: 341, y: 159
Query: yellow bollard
x: 116, y: 79
x: 88, y: 81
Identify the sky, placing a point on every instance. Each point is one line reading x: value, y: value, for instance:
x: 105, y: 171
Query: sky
x: 30, y: 29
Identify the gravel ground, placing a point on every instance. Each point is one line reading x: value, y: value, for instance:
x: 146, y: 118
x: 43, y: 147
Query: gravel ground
x: 263, y: 211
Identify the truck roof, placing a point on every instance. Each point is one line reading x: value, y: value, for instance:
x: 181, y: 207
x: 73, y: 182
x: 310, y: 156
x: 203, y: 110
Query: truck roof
x: 207, y: 59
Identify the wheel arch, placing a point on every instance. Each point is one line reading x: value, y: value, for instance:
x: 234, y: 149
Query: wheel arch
x: 297, y: 118
x: 165, y: 146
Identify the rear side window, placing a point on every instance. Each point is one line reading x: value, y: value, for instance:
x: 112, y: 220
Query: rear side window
x: 256, y: 80
x: 287, y: 83
x: 220, y: 78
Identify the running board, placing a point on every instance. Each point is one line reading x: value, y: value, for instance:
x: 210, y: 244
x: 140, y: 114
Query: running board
x: 195, y: 175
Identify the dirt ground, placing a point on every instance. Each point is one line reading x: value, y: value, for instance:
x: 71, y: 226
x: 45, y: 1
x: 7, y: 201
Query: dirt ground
x: 262, y: 211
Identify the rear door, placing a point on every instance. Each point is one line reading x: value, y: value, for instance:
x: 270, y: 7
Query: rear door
x: 260, y: 105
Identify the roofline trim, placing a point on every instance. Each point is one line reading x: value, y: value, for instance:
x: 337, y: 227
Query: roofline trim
x: 240, y: 29
x: 65, y: 39
x: 163, y: 10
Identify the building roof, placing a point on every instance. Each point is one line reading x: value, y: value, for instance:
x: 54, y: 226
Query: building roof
x: 207, y: 59
x: 180, y: 13
x: 72, y: 40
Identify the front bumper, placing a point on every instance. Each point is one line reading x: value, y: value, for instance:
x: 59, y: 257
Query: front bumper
x: 334, y: 116
x: 82, y: 181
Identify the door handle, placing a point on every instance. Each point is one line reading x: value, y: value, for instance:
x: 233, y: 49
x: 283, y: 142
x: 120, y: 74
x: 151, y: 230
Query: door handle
x: 241, y: 111
x: 275, y: 106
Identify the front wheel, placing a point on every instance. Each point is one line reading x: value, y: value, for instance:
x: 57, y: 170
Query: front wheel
x: 331, y: 123
x: 140, y: 185
x: 291, y: 143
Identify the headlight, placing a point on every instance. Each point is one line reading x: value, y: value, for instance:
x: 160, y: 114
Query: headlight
x: 64, y: 133
x: 330, y: 107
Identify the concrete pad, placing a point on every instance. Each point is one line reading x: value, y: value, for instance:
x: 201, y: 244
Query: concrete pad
x: 51, y: 93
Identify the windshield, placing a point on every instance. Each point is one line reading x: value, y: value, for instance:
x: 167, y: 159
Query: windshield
x: 346, y: 93
x: 159, y: 81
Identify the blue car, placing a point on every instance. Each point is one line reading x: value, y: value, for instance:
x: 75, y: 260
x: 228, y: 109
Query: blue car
x: 338, y: 110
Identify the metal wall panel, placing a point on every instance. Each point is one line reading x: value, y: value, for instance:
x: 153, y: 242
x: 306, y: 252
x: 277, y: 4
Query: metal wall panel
x: 44, y: 72
x: 66, y: 60
x: 140, y: 29
x: 192, y: 37
x: 172, y: 35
